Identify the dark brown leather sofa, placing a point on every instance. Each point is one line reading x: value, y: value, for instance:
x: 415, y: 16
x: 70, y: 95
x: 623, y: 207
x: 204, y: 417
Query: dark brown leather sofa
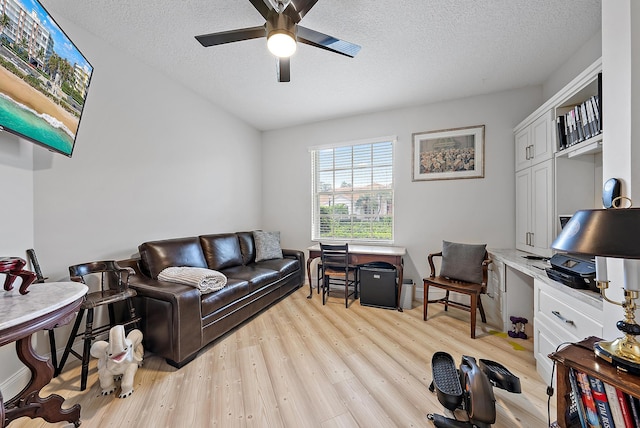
x: 177, y: 321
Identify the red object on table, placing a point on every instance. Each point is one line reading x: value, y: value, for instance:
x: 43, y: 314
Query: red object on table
x: 12, y: 268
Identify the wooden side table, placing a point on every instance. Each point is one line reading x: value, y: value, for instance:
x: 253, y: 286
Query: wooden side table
x: 580, y: 356
x: 45, y: 306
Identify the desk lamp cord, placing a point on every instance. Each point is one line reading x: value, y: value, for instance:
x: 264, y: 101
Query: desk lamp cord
x: 550, y: 387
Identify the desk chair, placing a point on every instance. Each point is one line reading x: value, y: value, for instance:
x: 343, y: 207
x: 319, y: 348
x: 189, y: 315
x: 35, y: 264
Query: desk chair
x: 463, y: 270
x: 336, y: 271
x: 114, y: 288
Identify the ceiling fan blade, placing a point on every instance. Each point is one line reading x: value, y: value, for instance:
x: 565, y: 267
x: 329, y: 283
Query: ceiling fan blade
x: 284, y: 69
x: 262, y: 7
x: 324, y: 41
x: 231, y: 36
x: 297, y: 9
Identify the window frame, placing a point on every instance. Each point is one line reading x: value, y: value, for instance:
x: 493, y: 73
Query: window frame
x: 316, y: 193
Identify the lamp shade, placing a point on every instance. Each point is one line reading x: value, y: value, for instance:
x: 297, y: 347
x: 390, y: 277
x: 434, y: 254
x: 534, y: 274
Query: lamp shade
x: 605, y: 232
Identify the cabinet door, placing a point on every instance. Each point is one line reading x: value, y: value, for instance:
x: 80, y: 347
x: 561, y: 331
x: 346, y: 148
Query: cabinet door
x: 523, y: 209
x: 523, y: 144
x: 541, y: 208
x: 541, y: 139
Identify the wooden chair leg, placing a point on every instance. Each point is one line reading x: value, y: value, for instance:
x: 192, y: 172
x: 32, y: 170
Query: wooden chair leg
x: 346, y: 292
x: 446, y: 301
x: 86, y: 351
x: 473, y: 315
x: 67, y: 348
x: 52, y: 347
x: 425, y: 300
x: 482, y: 315
x: 132, y: 313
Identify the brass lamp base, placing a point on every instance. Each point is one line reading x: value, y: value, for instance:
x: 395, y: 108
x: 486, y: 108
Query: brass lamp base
x: 623, y: 353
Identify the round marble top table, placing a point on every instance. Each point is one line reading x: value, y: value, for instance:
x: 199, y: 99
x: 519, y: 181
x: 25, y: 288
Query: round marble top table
x: 44, y: 307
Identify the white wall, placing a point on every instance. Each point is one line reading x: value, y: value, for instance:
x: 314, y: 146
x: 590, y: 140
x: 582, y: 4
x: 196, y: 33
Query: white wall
x: 576, y: 64
x: 621, y: 121
x: 16, y: 231
x: 152, y: 161
x: 426, y: 212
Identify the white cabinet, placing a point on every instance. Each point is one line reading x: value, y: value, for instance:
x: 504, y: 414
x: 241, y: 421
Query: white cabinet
x: 562, y: 314
x: 552, y: 180
x: 534, y: 142
x: 534, y: 208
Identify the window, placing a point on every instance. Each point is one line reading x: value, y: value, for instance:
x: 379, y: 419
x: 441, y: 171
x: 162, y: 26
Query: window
x: 353, y: 191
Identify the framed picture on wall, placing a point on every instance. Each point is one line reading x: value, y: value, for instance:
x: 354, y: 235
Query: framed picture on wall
x: 448, y: 154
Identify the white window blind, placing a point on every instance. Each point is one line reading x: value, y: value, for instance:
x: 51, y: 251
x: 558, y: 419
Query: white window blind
x: 353, y: 191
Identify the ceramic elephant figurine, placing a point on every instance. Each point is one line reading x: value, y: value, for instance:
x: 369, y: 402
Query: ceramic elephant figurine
x: 118, y: 358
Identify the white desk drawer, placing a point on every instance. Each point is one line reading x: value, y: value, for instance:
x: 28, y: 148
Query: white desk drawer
x: 568, y: 314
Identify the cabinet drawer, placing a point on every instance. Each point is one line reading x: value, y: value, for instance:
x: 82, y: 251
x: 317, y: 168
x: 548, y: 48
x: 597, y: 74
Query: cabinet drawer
x: 564, y: 312
x: 545, y: 343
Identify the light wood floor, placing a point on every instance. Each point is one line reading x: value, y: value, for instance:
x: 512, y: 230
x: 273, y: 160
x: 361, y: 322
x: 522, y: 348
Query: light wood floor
x: 301, y: 364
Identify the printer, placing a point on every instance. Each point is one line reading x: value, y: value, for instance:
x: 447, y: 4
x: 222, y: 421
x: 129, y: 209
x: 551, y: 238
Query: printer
x: 573, y: 271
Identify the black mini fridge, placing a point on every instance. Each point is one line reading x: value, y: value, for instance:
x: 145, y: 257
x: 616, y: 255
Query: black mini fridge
x: 378, y: 285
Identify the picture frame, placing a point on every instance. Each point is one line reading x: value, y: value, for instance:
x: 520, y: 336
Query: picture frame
x: 448, y: 154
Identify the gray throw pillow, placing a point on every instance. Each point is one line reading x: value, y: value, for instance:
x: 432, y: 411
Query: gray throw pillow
x: 462, y: 261
x: 267, y: 245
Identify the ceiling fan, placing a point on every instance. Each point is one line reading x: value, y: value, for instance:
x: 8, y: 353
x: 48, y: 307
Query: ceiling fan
x: 282, y: 32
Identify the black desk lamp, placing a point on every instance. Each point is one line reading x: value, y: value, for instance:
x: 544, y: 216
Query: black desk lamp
x: 611, y: 233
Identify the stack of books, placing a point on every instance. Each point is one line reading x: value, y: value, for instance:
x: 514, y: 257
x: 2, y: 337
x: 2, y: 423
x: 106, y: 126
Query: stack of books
x: 600, y: 405
x: 580, y: 123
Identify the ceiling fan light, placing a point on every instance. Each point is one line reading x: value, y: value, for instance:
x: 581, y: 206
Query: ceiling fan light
x: 281, y: 44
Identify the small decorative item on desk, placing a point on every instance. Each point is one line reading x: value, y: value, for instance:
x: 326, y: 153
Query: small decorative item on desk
x: 12, y: 268
x: 119, y: 358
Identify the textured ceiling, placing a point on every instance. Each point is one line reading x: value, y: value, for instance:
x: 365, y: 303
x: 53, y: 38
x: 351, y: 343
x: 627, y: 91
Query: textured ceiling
x: 413, y: 51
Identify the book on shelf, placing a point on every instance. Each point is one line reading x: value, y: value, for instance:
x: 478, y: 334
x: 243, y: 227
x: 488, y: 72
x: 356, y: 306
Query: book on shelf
x: 581, y: 122
x: 591, y: 412
x: 624, y: 406
x: 602, y: 403
x: 614, y: 405
x: 577, y: 396
x: 635, y: 410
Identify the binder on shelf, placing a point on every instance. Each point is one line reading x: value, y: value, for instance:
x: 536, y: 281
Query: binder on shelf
x: 602, y: 403
x: 586, y: 129
x: 562, y: 133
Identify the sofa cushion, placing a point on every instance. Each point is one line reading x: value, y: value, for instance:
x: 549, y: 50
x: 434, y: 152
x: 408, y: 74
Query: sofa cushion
x: 283, y: 266
x: 257, y: 276
x: 221, y: 251
x: 267, y: 245
x: 158, y: 255
x: 235, y: 290
x: 247, y: 247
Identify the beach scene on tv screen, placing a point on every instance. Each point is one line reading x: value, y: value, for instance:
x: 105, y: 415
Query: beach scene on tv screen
x: 43, y: 77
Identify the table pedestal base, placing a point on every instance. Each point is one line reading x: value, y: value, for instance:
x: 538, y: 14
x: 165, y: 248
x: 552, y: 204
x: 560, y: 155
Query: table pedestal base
x: 28, y: 402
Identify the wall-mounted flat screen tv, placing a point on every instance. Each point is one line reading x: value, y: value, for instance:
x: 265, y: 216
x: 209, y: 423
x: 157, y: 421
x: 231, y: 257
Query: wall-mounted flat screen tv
x: 44, y: 78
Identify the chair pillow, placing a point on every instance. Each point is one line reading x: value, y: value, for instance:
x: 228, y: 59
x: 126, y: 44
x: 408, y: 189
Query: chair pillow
x: 462, y: 261
x: 267, y: 245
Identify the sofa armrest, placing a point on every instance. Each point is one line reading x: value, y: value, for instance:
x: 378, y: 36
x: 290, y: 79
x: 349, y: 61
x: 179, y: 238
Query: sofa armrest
x: 299, y: 255
x: 171, y: 318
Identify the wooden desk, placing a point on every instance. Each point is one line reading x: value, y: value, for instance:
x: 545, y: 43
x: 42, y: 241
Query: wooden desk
x: 45, y: 306
x: 360, y: 254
